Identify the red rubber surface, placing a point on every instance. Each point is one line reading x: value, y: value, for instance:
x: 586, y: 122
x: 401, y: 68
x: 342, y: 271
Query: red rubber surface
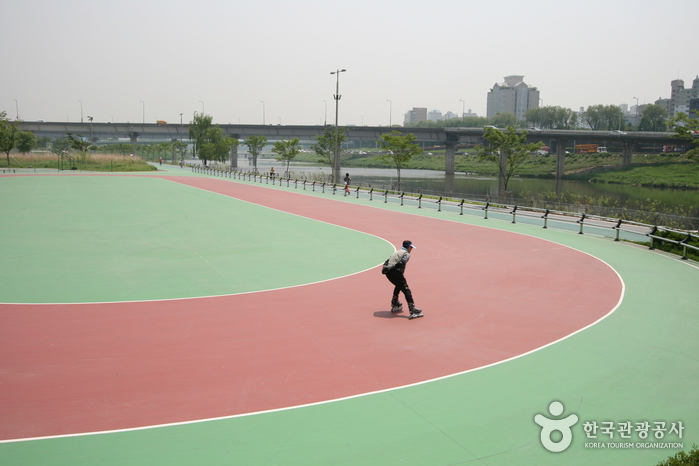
x: 487, y: 295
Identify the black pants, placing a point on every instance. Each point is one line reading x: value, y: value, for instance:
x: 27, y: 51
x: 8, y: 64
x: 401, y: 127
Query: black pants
x: 400, y: 284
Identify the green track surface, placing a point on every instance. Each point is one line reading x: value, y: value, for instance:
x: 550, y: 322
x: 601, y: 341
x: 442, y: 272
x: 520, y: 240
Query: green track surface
x: 639, y: 364
x: 97, y: 239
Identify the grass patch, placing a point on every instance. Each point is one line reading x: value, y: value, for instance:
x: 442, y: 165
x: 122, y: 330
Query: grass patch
x: 87, y: 162
x: 684, y: 175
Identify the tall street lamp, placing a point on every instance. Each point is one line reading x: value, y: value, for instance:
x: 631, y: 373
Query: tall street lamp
x: 263, y: 112
x: 463, y: 110
x: 17, y: 109
x: 636, y: 113
x: 337, y: 96
x: 81, y: 110
x: 390, y: 113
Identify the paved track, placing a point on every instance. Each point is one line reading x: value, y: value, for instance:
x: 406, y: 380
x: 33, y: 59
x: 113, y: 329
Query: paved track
x: 488, y: 295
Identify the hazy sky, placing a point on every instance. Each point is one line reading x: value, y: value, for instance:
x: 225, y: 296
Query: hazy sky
x: 168, y: 56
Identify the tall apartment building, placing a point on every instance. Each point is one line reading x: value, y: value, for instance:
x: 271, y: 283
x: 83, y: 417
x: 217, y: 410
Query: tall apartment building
x: 416, y: 115
x: 680, y: 97
x: 513, y: 96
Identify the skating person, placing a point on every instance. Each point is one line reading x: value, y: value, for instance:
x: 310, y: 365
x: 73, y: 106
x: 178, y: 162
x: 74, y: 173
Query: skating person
x: 394, y: 269
x: 347, y: 183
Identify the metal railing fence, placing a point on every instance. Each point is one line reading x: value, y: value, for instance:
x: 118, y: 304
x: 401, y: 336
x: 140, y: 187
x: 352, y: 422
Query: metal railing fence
x: 686, y: 242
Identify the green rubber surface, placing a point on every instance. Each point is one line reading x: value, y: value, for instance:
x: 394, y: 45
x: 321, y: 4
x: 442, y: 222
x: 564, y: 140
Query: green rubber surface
x: 100, y: 239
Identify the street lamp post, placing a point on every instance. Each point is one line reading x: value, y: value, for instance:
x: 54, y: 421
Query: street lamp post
x: 263, y: 112
x: 636, y: 113
x: 81, y: 110
x: 390, y: 113
x: 90, y: 118
x: 463, y: 110
x: 17, y: 109
x: 337, y: 96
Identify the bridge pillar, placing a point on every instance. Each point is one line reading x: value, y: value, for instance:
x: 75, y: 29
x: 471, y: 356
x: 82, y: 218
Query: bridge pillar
x: 450, y: 159
x: 626, y: 153
x: 134, y: 143
x: 560, y: 158
x: 233, y: 153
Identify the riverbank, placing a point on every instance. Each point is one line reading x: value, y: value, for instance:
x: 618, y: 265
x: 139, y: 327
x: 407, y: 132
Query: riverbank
x: 86, y: 162
x: 674, y: 207
x: 648, y: 170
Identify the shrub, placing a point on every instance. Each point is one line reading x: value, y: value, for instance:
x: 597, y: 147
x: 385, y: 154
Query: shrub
x: 683, y: 459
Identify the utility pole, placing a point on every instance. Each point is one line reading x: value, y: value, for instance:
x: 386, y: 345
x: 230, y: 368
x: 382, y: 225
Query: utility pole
x: 337, y: 96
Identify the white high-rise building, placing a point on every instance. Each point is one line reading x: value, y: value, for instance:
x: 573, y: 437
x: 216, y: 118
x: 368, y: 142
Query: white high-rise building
x: 513, y: 96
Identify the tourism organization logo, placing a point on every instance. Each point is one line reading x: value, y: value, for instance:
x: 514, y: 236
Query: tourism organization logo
x: 549, y: 426
x: 557, y: 432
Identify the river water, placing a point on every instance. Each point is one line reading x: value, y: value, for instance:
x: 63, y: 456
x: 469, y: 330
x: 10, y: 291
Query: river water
x: 486, y: 188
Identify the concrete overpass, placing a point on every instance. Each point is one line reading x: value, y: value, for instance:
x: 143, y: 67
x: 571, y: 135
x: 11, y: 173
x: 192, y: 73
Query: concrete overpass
x: 153, y: 131
x: 448, y: 137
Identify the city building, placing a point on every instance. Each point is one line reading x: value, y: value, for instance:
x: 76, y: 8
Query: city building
x: 435, y: 115
x: 513, y: 96
x: 416, y: 115
x: 680, y: 97
x: 664, y: 104
x: 694, y: 107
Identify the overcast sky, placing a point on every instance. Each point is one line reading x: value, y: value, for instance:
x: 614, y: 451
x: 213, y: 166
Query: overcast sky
x: 116, y: 58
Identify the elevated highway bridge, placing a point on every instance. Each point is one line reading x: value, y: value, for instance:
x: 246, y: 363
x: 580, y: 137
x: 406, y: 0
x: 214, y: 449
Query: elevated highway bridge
x: 427, y: 137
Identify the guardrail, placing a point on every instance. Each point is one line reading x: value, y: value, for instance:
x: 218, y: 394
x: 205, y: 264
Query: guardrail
x: 580, y: 222
x: 683, y: 243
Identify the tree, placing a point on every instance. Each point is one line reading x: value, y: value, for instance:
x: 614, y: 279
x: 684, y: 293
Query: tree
x: 8, y: 135
x: 687, y: 128
x: 286, y: 149
x: 79, y: 143
x: 468, y: 122
x: 325, y: 146
x: 197, y: 130
x: 604, y: 117
x: 215, y: 146
x: 26, y: 141
x: 508, y: 149
x: 654, y: 119
x: 400, y: 149
x: 255, y: 145
x: 179, y: 147
x: 62, y: 146
x: 505, y: 119
x: 552, y: 117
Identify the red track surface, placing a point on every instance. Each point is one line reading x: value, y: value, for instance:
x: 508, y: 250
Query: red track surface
x: 488, y: 295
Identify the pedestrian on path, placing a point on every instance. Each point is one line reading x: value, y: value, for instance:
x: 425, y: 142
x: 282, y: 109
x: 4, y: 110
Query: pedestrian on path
x: 394, y: 269
x: 347, y: 184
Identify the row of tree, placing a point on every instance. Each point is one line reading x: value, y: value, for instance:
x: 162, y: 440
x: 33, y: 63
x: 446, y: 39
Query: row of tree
x: 11, y: 137
x: 596, y: 117
x: 508, y: 148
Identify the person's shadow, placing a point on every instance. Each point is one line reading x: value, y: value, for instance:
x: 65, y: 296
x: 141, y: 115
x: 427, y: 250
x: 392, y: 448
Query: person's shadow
x: 389, y: 315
